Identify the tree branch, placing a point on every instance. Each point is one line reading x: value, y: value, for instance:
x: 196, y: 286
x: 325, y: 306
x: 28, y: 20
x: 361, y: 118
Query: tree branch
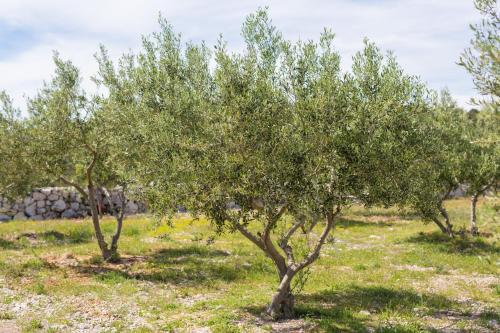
x: 75, y: 185
x: 272, y: 222
x: 290, y: 232
x: 281, y: 211
x: 289, y: 255
x: 254, y: 239
x: 486, y: 187
x: 91, y: 165
x: 271, y: 250
x: 313, y: 255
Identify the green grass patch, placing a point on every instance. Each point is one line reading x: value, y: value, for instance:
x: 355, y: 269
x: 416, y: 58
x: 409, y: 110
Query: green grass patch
x: 382, y: 270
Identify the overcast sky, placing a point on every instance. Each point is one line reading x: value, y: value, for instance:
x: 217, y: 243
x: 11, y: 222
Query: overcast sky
x: 427, y: 36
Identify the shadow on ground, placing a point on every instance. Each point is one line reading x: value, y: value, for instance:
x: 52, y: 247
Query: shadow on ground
x: 51, y: 237
x: 192, y: 265
x: 461, y: 244
x: 6, y: 244
x: 349, y: 310
x: 349, y: 222
x: 401, y: 215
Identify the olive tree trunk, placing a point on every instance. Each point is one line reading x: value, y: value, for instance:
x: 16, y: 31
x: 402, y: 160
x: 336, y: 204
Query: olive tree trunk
x: 109, y: 253
x: 473, y: 218
x: 282, y: 302
x: 118, y: 213
x: 474, y: 230
x: 440, y: 225
x: 448, y: 226
x: 106, y: 252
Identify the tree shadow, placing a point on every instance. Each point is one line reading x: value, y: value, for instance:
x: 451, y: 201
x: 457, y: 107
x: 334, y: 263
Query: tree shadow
x: 184, y: 255
x: 464, y: 244
x: 348, y: 310
x: 401, y: 215
x: 54, y: 237
x: 188, y: 266
x: 6, y: 244
x: 349, y: 222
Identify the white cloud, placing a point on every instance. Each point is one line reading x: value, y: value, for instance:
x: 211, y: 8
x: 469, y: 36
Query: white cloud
x: 427, y: 36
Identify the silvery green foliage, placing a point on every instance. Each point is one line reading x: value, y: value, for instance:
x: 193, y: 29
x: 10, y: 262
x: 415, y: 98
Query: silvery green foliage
x: 482, y: 59
x: 483, y: 157
x: 16, y: 177
x: 69, y: 131
x: 67, y: 141
x: 275, y: 128
x: 437, y: 168
x: 59, y: 125
x: 157, y: 99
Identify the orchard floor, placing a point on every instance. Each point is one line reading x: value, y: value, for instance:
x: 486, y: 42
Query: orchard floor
x: 379, y: 272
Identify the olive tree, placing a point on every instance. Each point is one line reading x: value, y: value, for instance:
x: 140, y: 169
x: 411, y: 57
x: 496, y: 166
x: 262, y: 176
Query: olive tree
x: 481, y: 59
x: 482, y: 62
x: 69, y: 144
x: 440, y: 161
x: 9, y: 132
x: 15, y: 173
x: 278, y: 129
x: 482, y: 167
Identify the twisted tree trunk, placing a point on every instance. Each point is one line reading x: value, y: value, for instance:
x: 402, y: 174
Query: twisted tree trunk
x: 449, y: 227
x: 103, y: 246
x: 282, y: 302
x: 118, y: 213
x: 108, y: 253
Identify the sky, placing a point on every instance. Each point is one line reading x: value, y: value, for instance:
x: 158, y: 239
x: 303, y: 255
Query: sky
x: 427, y: 36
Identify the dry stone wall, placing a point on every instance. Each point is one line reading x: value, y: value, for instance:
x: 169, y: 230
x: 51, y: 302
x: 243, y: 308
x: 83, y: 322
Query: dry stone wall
x: 58, y: 202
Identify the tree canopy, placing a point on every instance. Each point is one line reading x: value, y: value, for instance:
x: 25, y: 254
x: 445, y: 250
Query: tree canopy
x: 275, y: 129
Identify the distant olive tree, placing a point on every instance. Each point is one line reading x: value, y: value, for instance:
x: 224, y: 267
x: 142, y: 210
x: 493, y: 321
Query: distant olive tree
x: 482, y: 58
x: 439, y: 164
x: 482, y: 160
x: 69, y: 144
x: 16, y: 174
x: 482, y: 61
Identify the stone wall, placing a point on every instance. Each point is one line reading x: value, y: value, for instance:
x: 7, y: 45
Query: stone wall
x: 58, y: 202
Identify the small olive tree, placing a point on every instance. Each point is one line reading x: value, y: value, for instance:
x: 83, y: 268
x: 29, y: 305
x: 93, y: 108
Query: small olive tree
x: 69, y: 144
x: 439, y: 162
x: 16, y: 174
x: 482, y: 62
x: 482, y: 161
x: 447, y: 156
x: 481, y: 59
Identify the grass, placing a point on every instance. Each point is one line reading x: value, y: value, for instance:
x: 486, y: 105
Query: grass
x: 381, y: 271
